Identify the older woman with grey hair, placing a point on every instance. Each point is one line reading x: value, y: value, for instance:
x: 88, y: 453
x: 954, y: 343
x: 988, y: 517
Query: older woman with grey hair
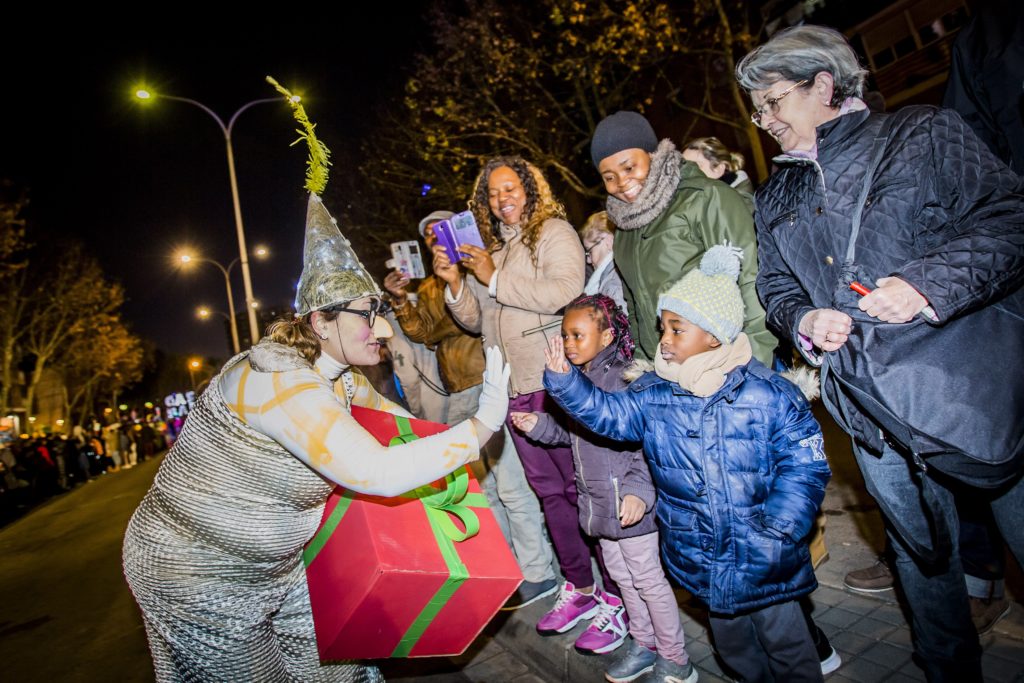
x: 891, y: 251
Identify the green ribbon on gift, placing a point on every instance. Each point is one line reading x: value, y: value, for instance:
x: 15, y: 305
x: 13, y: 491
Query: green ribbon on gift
x: 440, y: 505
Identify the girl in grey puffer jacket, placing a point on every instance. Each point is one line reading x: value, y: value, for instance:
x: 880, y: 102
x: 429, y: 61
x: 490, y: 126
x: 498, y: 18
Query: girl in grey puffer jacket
x: 616, y: 499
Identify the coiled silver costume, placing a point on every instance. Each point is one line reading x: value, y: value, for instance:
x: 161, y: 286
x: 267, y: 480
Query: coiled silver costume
x: 213, y: 557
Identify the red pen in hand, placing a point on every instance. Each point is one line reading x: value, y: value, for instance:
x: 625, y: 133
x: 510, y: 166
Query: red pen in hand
x: 928, y: 313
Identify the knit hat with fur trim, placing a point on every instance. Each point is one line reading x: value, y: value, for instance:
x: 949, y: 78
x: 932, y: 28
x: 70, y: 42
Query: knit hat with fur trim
x: 709, y: 296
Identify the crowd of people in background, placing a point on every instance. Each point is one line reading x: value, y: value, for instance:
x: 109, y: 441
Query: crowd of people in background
x: 33, y: 469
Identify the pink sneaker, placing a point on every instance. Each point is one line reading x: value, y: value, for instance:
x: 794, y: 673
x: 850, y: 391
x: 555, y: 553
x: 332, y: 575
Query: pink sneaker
x: 570, y: 608
x: 608, y: 629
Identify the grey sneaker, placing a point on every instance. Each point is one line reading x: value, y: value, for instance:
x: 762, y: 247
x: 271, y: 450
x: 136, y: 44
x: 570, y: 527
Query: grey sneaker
x: 986, y: 613
x: 528, y: 593
x: 632, y: 664
x: 667, y: 671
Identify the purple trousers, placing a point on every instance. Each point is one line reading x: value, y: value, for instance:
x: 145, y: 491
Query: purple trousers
x: 549, y: 471
x: 635, y: 564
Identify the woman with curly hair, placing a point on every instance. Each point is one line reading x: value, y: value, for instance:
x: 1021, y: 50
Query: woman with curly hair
x: 531, y: 268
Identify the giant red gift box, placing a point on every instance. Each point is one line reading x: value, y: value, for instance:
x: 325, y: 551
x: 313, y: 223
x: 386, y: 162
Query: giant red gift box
x: 389, y: 577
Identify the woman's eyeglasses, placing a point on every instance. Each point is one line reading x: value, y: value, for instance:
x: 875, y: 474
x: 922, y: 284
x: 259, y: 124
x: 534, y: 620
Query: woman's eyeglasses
x: 772, y: 104
x: 370, y: 314
x: 592, y: 247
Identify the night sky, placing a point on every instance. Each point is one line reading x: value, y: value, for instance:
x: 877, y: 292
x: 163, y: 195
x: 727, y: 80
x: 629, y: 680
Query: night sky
x: 136, y: 182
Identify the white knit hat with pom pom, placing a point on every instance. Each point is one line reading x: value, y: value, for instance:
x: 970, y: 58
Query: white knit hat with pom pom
x: 708, y: 296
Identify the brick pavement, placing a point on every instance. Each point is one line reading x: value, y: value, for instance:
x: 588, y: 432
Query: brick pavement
x: 870, y: 632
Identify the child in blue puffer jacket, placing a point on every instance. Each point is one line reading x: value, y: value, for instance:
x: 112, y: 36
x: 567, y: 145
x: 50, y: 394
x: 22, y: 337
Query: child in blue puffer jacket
x: 616, y: 504
x: 738, y: 463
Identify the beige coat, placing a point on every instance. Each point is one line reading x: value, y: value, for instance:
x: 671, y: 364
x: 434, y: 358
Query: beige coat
x: 528, y: 296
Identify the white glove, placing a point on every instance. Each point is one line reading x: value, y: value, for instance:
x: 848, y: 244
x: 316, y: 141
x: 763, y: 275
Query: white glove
x: 494, y: 397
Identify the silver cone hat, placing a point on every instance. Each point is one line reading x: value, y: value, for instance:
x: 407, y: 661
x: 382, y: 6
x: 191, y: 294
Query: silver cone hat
x: 331, y: 272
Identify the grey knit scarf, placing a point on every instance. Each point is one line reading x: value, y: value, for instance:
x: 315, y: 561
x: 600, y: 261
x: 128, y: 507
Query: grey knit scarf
x: 658, y: 190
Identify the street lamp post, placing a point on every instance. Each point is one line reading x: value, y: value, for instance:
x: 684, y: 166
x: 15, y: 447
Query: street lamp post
x: 188, y: 258
x: 242, y: 251
x: 193, y: 365
x: 204, y: 313
x: 261, y: 252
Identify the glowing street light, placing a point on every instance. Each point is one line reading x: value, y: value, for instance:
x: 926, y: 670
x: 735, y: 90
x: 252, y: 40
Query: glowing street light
x: 145, y: 94
x: 193, y: 365
x: 186, y: 258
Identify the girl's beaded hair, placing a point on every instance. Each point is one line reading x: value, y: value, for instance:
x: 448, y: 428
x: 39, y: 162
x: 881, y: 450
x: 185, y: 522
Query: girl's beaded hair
x: 609, y: 317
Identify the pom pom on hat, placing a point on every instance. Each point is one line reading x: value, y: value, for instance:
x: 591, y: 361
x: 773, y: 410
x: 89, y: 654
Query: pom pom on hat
x: 708, y: 296
x: 622, y: 130
x: 722, y: 259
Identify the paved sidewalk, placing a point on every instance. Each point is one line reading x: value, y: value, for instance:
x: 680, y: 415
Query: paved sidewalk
x: 870, y: 632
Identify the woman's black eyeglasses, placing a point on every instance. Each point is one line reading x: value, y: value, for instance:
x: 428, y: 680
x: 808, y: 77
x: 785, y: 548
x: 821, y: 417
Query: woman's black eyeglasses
x: 370, y: 314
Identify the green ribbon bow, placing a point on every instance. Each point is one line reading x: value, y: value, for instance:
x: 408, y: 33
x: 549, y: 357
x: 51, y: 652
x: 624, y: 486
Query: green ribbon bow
x: 440, y: 505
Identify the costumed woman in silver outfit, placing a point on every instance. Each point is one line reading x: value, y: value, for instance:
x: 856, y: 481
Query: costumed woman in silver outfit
x: 213, y: 553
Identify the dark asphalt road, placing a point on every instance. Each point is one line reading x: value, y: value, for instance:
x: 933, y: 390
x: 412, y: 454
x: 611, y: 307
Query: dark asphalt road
x: 65, y: 610
x: 66, y: 613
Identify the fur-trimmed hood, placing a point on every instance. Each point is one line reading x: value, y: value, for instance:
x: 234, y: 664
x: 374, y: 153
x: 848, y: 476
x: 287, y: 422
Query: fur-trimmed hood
x: 270, y: 356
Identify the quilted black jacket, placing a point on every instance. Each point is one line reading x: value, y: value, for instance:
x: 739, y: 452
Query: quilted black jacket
x: 943, y: 214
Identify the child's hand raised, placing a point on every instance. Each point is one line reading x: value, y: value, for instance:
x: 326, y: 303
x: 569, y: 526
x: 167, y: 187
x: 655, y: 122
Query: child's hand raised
x: 631, y: 510
x: 524, y: 422
x: 555, y: 355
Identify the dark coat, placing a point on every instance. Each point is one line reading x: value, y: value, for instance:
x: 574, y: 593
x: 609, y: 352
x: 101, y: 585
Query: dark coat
x: 606, y: 470
x: 986, y: 78
x: 740, y: 476
x: 943, y: 214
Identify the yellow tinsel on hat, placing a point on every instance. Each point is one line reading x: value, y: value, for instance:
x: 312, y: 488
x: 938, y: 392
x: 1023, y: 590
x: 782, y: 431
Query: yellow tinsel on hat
x: 331, y: 272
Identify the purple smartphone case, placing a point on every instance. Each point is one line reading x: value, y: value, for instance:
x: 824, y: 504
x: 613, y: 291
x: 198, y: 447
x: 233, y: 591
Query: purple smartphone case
x: 459, y: 229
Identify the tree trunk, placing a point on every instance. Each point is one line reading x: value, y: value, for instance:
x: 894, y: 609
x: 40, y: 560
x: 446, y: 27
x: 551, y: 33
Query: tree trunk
x: 35, y: 378
x: 738, y: 96
x: 86, y: 407
x: 67, y: 409
x: 6, y: 374
x: 757, y: 152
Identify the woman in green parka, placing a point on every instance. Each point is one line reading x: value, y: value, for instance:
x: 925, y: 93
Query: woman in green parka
x: 668, y: 213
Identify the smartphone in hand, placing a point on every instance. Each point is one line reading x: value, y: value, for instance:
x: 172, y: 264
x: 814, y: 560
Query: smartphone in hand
x: 457, y: 230
x: 406, y: 257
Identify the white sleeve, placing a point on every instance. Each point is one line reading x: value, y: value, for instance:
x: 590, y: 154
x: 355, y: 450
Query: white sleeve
x: 300, y: 410
x: 449, y: 298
